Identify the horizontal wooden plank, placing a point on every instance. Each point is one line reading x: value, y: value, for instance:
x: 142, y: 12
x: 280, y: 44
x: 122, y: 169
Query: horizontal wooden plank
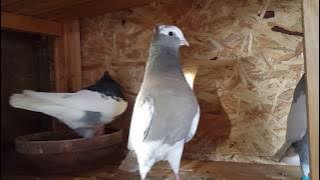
x: 91, y: 67
x: 91, y: 8
x: 34, y: 7
x: 189, y: 169
x: 7, y: 2
x: 30, y: 24
x: 66, y: 10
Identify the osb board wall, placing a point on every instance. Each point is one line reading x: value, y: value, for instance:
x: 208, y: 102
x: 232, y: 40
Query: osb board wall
x: 245, y: 69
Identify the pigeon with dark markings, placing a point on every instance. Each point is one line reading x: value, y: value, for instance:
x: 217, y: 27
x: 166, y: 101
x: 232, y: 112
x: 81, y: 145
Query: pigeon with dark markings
x: 85, y: 111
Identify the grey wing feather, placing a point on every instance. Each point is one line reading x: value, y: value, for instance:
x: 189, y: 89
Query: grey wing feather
x: 141, y: 118
x: 297, y: 118
x: 172, y: 119
x: 194, y: 126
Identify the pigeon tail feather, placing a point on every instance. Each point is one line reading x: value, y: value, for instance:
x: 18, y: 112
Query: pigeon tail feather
x: 31, y: 103
x: 56, y: 98
x: 25, y: 101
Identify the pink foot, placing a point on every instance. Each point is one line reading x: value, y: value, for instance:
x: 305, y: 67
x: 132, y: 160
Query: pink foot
x: 177, y: 177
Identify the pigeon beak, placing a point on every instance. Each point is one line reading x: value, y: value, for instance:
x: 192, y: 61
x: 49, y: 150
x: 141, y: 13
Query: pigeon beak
x: 184, y: 43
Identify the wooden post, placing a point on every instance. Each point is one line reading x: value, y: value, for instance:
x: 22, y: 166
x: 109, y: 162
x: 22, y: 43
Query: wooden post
x: 67, y: 55
x: 60, y: 66
x: 73, y: 54
x: 311, y: 40
x: 60, y: 72
x: 67, y: 60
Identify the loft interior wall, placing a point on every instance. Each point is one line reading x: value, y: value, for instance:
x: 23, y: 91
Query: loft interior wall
x: 289, y: 15
x: 244, y: 94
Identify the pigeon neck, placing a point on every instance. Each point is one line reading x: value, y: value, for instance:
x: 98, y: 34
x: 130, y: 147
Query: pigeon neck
x: 163, y: 59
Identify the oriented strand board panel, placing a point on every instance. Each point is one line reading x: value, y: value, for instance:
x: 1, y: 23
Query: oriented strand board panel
x: 246, y: 67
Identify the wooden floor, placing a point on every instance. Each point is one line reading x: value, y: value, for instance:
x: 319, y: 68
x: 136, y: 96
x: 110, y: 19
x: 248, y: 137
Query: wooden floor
x: 190, y: 170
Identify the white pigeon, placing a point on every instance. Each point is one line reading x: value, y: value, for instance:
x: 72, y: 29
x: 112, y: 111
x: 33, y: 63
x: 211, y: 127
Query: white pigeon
x: 85, y: 111
x: 166, y: 111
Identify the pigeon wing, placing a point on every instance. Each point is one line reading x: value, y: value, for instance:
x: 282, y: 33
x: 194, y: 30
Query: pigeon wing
x: 141, y: 118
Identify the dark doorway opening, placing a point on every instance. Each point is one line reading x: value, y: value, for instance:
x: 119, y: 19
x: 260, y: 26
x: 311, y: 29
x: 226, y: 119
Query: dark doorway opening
x: 26, y: 63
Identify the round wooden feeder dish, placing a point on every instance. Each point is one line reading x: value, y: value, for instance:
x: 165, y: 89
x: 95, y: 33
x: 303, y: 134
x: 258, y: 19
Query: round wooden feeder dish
x: 66, y: 152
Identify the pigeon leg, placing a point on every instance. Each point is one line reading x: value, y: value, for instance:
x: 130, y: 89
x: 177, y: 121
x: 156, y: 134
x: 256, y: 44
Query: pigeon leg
x: 145, y: 164
x: 144, y: 169
x: 305, y: 171
x: 143, y: 175
x: 99, y: 130
x: 174, y: 158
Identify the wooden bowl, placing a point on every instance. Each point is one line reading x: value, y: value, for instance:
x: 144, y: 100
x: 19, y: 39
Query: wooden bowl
x: 66, y: 152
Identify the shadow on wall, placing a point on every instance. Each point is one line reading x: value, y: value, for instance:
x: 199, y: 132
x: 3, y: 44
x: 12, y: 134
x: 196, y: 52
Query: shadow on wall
x: 213, y: 130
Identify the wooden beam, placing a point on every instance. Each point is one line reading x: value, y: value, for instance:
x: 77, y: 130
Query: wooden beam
x: 67, y: 60
x: 61, y: 74
x: 7, y: 2
x: 91, y: 8
x: 73, y: 54
x: 311, y: 29
x: 67, y: 63
x: 30, y: 24
x: 60, y: 65
x: 34, y: 7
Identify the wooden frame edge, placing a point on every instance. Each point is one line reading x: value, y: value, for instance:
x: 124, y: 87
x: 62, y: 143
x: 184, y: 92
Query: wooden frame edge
x: 311, y: 55
x: 30, y: 24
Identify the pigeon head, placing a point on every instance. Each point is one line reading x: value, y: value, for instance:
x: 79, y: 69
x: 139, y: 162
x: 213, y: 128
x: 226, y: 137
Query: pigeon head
x: 106, y: 78
x: 168, y: 35
x: 106, y: 75
x: 107, y: 86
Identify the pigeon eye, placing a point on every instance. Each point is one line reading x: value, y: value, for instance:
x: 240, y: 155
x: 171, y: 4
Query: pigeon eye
x: 170, y: 33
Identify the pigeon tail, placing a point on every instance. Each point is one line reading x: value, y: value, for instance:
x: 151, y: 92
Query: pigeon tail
x: 25, y: 101
x: 32, y: 103
x: 130, y: 163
